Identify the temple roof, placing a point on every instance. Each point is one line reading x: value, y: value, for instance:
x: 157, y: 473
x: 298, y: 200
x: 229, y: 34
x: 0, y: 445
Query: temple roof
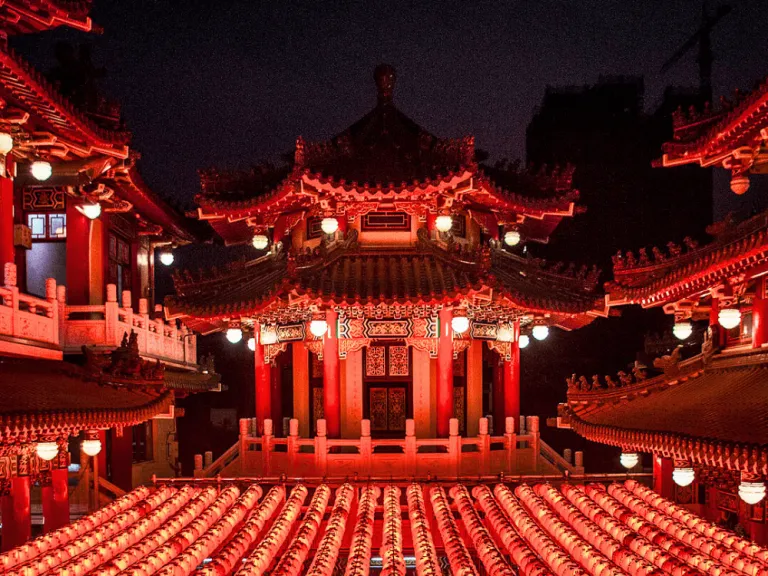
x: 22, y: 16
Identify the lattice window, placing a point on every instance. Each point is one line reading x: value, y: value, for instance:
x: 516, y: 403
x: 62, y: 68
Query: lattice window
x: 374, y: 361
x: 459, y: 227
x: 43, y: 199
x: 460, y: 406
x: 386, y: 221
x: 314, y: 228
x: 399, y: 364
x: 48, y: 225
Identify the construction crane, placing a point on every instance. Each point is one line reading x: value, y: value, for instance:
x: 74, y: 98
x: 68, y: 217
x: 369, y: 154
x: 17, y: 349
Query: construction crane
x: 705, y: 57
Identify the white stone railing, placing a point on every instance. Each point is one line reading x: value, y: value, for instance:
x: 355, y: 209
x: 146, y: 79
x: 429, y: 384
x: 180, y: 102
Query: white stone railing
x: 408, y: 457
x: 28, y: 317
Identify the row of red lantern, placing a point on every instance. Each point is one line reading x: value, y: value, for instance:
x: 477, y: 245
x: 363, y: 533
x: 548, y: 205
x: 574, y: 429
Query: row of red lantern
x: 293, y: 557
x: 579, y: 549
x: 227, y: 557
x: 635, y: 542
x: 489, y: 554
x: 262, y: 556
x: 359, y: 561
x: 328, y: 550
x: 698, y: 523
x: 423, y: 545
x: 107, y: 550
x: 391, y: 551
x: 65, y: 534
x: 558, y: 561
x: 611, y: 548
x: 186, y: 562
x: 680, y: 550
x: 693, y: 538
x: 458, y: 555
x: 103, y: 533
x: 526, y: 559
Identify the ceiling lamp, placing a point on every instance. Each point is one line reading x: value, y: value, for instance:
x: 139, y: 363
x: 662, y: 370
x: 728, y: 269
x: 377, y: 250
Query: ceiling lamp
x: 91, y: 447
x: 91, y: 210
x: 252, y: 344
x: 260, y: 242
x: 682, y: 329
x: 524, y: 341
x: 268, y: 335
x: 740, y: 184
x: 443, y: 223
x: 6, y: 143
x: 752, y: 492
x: 234, y: 335
x: 460, y: 324
x: 47, y: 450
x: 540, y: 331
x: 504, y: 333
x: 41, y: 170
x: 512, y: 238
x: 166, y: 257
x: 729, y: 318
x: 318, y: 327
x: 329, y: 225
x: 629, y: 459
x: 683, y: 476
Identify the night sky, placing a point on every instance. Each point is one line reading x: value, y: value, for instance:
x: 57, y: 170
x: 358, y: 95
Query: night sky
x: 229, y: 83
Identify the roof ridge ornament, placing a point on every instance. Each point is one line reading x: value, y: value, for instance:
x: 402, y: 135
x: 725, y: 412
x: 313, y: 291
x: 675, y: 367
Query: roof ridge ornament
x: 385, y: 77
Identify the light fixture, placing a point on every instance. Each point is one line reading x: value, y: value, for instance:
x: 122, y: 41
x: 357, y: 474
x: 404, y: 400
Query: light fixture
x: 268, y: 335
x: 443, y: 223
x: 318, y: 327
x: 91, y: 210
x: 629, y: 459
x: 234, y: 335
x: 252, y: 344
x: 91, y: 447
x: 260, y: 242
x: 6, y: 143
x: 752, y: 492
x: 460, y: 324
x: 166, y: 257
x: 41, y: 170
x: 682, y: 329
x: 47, y: 450
x: 740, y: 184
x: 729, y: 318
x: 683, y: 476
x: 504, y: 333
x: 523, y: 341
x: 540, y: 331
x: 329, y: 225
x: 512, y: 238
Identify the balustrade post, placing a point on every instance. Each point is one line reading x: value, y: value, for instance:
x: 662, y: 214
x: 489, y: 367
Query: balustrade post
x: 243, y: 439
x: 510, y: 443
x: 266, y: 447
x: 533, y: 430
x: 321, y: 447
x: 111, y: 309
x: 9, y: 279
x: 568, y: 455
x: 293, y: 442
x: 208, y: 458
x: 199, y: 466
x: 53, y: 313
x: 521, y: 429
x: 578, y: 461
x: 410, y: 446
x: 484, y: 445
x: 454, y: 445
x: 366, y: 447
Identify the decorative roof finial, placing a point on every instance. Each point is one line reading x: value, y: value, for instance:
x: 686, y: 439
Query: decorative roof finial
x: 385, y: 77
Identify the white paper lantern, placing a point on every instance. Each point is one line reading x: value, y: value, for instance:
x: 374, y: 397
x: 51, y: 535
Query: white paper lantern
x: 166, y: 257
x: 512, y: 238
x: 6, y: 143
x: 329, y: 225
x: 252, y: 344
x: 41, y: 170
x: 234, y: 335
x: 47, y: 450
x: 752, y: 492
x: 682, y: 329
x: 443, y: 223
x: 318, y: 327
x: 683, y: 476
x: 91, y: 210
x: 91, y: 447
x: 260, y: 242
x: 729, y: 318
x: 460, y: 324
x: 629, y: 459
x: 540, y: 331
x: 524, y: 341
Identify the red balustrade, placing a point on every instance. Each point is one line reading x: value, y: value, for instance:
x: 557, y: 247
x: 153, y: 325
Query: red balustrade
x: 458, y: 555
x: 424, y: 546
x: 359, y: 561
x: 391, y: 551
x: 328, y: 550
x: 489, y: 554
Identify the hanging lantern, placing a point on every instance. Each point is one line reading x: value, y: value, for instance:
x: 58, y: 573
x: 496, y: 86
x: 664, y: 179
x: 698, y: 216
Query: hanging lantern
x: 460, y: 324
x: 259, y: 241
x: 504, y: 333
x: 682, y: 329
x: 512, y: 238
x: 318, y: 327
x: 91, y: 210
x: 268, y: 335
x: 166, y: 257
x: 252, y: 344
x: 40, y: 170
x: 752, y: 492
x: 629, y: 459
x: 6, y: 143
x: 234, y: 335
x: 683, y: 476
x: 47, y: 450
x: 329, y: 225
x: 540, y: 331
x: 91, y: 446
x: 729, y: 318
x: 524, y: 341
x: 443, y: 223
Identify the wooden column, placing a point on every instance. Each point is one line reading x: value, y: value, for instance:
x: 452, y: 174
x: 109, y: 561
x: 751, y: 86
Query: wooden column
x: 55, y: 499
x: 474, y: 400
x: 7, y: 251
x: 512, y: 376
x: 444, y: 395
x: 331, y: 379
x: 301, y: 387
x: 16, y: 511
x: 759, y: 315
x: 263, y: 384
x: 498, y: 394
x: 276, y: 395
x: 120, y: 457
x: 662, y: 477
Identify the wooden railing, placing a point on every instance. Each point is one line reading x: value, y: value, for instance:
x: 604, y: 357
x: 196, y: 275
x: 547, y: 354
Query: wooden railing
x: 483, y: 455
x: 28, y: 317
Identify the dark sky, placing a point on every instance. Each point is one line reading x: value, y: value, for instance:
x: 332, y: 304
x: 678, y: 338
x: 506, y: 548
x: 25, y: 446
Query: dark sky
x: 230, y: 82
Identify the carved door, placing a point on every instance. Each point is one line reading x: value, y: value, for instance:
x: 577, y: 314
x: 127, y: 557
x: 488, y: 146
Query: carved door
x: 387, y: 385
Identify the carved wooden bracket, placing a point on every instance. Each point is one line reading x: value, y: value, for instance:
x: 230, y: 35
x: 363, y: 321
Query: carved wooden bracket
x: 315, y: 346
x: 424, y: 344
x: 272, y: 350
x: 347, y: 345
x: 503, y: 349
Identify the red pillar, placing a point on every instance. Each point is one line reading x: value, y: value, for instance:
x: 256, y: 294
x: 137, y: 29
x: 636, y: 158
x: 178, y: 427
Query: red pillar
x: 7, y: 251
x: 78, y: 261
x: 662, y: 477
x: 759, y: 315
x: 331, y: 380
x: 512, y: 377
x: 56, y: 501
x: 263, y: 384
x: 342, y: 220
x: 444, y: 393
x: 17, y: 518
x: 277, y: 395
x: 120, y: 458
x: 498, y: 394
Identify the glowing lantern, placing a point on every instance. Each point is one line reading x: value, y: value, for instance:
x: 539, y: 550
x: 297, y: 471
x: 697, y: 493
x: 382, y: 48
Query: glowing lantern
x: 90, y: 210
x: 504, y: 333
x: 252, y: 344
x: 682, y: 329
x: 629, y: 459
x: 329, y: 225
x: 443, y: 223
x: 740, y: 184
x: 268, y: 335
x: 166, y: 257
x: 260, y: 242
x: 683, y: 476
x: 47, y: 450
x: 318, y: 327
x: 6, y: 143
x: 460, y: 324
x: 752, y: 492
x: 92, y: 447
x: 512, y: 238
x: 41, y: 170
x: 234, y: 335
x: 729, y: 318
x: 540, y: 331
x: 524, y: 340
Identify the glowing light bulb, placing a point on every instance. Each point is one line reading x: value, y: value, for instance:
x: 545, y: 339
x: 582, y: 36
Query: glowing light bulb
x: 260, y: 242
x: 41, y: 170
x: 729, y: 318
x: 329, y: 225
x: 752, y: 492
x: 524, y: 341
x: 540, y: 331
x: 252, y: 344
x: 234, y: 335
x: 318, y: 327
x: 166, y: 257
x: 629, y: 459
x: 6, y: 143
x: 682, y: 330
x: 268, y: 335
x: 504, y: 333
x: 460, y: 324
x: 443, y: 223
x: 47, y: 450
x: 90, y: 210
x: 683, y: 476
x: 512, y: 238
x: 91, y: 447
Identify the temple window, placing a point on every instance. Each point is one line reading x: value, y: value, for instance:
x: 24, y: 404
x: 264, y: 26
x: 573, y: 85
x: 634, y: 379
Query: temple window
x: 142, y: 442
x: 47, y: 257
x: 119, y: 268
